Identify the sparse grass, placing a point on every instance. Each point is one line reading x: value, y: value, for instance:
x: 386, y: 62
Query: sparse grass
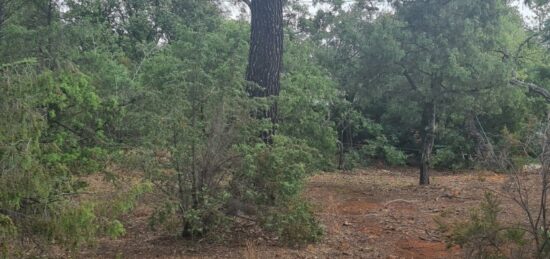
x: 250, y: 250
x: 334, y: 227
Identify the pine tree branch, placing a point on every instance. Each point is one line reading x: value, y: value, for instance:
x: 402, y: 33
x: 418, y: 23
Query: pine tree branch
x: 532, y: 88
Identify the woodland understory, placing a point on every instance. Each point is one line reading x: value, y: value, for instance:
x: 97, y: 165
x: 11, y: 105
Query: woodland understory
x: 324, y: 128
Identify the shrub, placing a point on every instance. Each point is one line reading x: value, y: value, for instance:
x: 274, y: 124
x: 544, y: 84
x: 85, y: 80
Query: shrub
x: 294, y: 224
x: 483, y: 235
x: 380, y: 148
x: 447, y: 158
x: 272, y: 178
x: 273, y: 174
x: 7, y: 232
x: 51, y: 138
x: 353, y: 159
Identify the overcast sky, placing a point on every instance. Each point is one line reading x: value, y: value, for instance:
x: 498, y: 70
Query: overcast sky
x: 235, y: 11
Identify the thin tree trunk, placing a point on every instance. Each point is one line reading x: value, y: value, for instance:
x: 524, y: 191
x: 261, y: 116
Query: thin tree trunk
x: 195, y: 177
x: 342, y: 150
x: 428, y: 139
x: 196, y: 188
x: 2, y: 8
x: 266, y: 54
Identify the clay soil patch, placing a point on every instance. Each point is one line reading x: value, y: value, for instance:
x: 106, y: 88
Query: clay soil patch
x: 373, y: 213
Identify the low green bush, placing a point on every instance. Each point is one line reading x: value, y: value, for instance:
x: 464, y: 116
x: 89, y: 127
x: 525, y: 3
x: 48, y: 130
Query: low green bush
x: 483, y: 235
x: 294, y: 224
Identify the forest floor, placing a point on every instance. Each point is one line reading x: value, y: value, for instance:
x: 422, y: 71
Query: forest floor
x: 371, y: 213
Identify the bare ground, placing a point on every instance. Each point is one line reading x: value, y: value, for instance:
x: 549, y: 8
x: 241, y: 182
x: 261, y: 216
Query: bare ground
x: 373, y: 213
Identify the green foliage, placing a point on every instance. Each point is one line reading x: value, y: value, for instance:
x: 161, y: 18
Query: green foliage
x: 127, y: 200
x: 484, y: 235
x: 157, y: 87
x: 272, y: 177
x: 53, y: 120
x: 446, y: 158
x: 7, y: 228
x: 353, y: 159
x: 380, y: 148
x: 115, y: 229
x: 166, y: 216
x: 192, y: 114
x: 36, y: 171
x: 389, y: 65
x: 273, y: 174
x: 307, y: 97
x: 294, y: 224
x: 74, y: 225
x: 8, y: 231
x: 206, y: 220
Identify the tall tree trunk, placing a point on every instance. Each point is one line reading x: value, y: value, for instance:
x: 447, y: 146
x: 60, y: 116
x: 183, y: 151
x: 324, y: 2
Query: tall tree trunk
x: 266, y: 54
x: 428, y: 139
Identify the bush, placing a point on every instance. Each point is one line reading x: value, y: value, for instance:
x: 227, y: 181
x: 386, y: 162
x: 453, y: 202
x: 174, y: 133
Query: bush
x: 7, y: 232
x: 353, y: 159
x: 447, y: 158
x: 75, y: 225
x: 272, y: 178
x: 294, y: 224
x: 483, y: 235
x: 377, y: 147
x: 50, y: 140
x: 273, y: 174
x: 307, y: 96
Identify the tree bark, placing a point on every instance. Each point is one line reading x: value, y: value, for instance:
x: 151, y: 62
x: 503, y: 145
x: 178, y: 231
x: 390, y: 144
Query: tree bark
x: 266, y: 54
x: 428, y: 140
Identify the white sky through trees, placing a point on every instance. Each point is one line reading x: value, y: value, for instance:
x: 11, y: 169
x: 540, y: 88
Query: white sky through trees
x: 235, y: 9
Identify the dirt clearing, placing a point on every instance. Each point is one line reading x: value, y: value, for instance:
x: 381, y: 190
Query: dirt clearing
x: 373, y: 213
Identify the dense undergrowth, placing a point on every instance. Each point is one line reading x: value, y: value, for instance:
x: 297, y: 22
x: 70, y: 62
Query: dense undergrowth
x: 157, y: 88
